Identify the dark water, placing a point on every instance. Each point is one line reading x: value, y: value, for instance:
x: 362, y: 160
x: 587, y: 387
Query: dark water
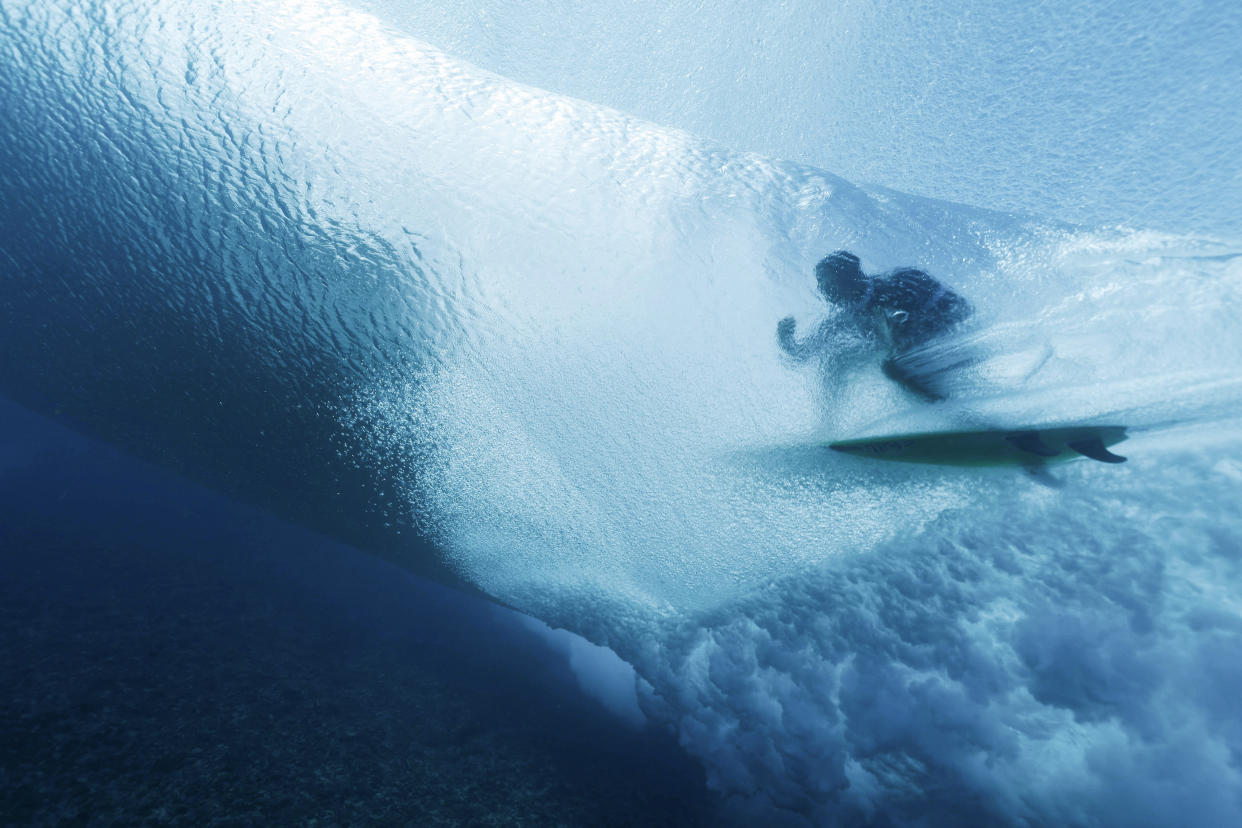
x: 168, y: 656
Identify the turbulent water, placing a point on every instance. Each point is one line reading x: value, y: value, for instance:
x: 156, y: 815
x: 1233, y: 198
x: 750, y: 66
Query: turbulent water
x: 526, y: 345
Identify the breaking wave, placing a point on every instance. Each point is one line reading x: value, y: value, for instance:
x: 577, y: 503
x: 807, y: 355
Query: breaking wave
x: 526, y: 345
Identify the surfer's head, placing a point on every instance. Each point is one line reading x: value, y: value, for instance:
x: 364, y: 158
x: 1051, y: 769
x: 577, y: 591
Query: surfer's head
x: 840, y: 277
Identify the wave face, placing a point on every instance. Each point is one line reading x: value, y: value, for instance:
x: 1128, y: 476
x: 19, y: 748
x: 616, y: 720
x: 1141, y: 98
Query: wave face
x: 1106, y: 113
x: 526, y: 345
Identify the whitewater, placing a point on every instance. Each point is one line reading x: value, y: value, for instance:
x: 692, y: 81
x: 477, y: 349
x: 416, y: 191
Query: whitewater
x: 525, y: 344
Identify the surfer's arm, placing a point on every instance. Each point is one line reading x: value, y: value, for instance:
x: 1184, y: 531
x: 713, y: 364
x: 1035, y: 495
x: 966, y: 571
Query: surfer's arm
x: 831, y: 337
x: 799, y: 351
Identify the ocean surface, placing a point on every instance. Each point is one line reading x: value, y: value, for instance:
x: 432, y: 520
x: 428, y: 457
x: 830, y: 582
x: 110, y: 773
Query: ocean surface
x: 395, y: 427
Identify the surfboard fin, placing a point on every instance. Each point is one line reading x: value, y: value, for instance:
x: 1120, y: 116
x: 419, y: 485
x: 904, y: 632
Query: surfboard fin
x: 1095, y: 449
x: 1038, y: 472
x: 1029, y: 441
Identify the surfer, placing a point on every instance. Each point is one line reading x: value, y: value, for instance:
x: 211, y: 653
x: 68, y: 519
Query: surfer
x: 900, y: 311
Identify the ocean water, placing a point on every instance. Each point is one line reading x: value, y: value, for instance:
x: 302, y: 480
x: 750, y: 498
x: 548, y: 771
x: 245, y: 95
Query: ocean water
x: 170, y: 656
x: 520, y: 339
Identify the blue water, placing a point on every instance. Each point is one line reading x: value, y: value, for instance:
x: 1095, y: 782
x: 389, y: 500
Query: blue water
x: 170, y: 656
x: 524, y: 344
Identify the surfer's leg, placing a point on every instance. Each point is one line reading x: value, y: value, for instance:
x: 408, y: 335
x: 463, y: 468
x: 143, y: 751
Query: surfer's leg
x: 910, y: 381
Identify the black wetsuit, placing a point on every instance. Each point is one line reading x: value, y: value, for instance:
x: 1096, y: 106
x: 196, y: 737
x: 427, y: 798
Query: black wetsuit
x: 906, y: 308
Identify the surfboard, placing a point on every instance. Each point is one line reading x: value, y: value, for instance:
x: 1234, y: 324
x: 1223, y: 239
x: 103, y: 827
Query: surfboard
x: 992, y: 447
